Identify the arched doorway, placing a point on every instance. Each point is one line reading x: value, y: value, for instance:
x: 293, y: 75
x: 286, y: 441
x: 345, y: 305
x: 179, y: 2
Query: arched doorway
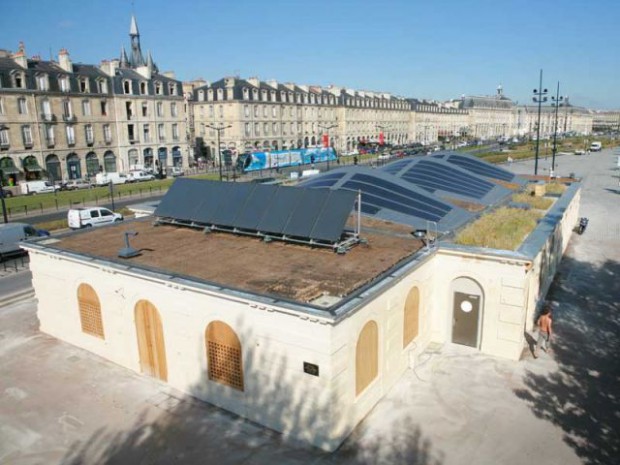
x: 52, y: 166
x: 73, y: 166
x: 306, y: 142
x: 32, y: 170
x: 162, y: 156
x: 467, y: 310
x: 366, y: 357
x: 9, y: 171
x: 313, y: 141
x: 274, y: 145
x: 92, y: 164
x: 177, y: 158
x: 148, y: 158
x: 109, y: 162
x: 151, y: 346
x: 134, y: 158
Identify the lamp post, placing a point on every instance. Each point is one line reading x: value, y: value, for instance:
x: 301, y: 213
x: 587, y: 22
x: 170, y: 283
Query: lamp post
x: 556, y: 103
x: 219, y: 129
x: 4, y: 215
x: 539, y: 97
x: 327, y: 128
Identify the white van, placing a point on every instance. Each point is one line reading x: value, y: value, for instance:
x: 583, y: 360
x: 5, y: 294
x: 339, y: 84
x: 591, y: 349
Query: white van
x: 91, y: 216
x: 11, y: 234
x: 596, y: 147
x: 103, y: 179
x: 37, y: 187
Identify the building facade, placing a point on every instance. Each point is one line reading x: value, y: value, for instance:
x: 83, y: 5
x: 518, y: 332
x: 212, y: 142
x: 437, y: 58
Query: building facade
x: 63, y: 120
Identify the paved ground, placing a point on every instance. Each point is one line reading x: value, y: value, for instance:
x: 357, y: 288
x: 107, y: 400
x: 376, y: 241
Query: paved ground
x: 62, y: 405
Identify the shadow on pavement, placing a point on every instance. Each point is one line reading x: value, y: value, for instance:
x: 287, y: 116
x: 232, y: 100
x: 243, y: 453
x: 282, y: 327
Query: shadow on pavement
x: 582, y: 396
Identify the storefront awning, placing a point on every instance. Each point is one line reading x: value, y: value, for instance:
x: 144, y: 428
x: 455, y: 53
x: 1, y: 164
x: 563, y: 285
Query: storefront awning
x: 31, y: 164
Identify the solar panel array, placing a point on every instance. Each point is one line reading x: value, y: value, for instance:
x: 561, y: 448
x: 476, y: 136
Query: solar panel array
x: 390, y: 198
x: 478, y: 166
x: 314, y: 214
x: 433, y: 175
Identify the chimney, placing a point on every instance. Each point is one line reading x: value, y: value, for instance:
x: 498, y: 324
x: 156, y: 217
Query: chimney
x: 169, y: 74
x: 20, y: 56
x: 254, y: 81
x: 64, y: 61
x: 273, y: 83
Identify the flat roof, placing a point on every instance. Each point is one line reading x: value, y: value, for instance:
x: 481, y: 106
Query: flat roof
x: 288, y: 271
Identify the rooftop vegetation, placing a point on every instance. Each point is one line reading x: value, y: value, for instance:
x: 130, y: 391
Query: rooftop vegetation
x: 504, y: 228
x: 539, y: 203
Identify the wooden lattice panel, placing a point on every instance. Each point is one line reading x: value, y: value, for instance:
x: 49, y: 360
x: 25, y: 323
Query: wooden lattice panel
x: 366, y: 357
x: 411, y: 317
x: 224, y: 355
x: 90, y: 311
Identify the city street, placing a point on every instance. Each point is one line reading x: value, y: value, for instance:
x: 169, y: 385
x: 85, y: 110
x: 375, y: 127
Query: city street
x: 63, y: 405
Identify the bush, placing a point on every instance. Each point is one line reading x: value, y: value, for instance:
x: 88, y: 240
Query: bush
x: 540, y: 203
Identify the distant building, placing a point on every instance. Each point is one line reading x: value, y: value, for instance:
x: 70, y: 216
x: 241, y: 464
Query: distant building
x: 64, y: 120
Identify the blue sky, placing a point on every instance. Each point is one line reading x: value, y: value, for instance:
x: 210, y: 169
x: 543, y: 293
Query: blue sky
x: 426, y: 49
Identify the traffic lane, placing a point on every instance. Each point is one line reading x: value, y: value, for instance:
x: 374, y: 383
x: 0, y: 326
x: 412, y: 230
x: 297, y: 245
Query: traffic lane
x: 62, y: 214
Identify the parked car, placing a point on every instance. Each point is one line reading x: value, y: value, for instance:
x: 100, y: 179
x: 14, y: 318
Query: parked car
x: 176, y: 171
x: 37, y: 187
x: 12, y: 234
x: 78, y: 218
x: 74, y: 184
x: 579, y: 152
x: 137, y: 176
x: 102, y: 179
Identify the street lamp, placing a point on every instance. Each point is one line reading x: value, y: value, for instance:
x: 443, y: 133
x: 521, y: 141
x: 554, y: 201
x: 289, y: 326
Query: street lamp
x: 327, y: 128
x: 556, y: 103
x: 219, y: 129
x: 539, y: 97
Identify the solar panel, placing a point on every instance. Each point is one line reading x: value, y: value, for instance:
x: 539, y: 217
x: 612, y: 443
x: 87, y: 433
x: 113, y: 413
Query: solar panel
x: 437, y: 176
x: 301, y: 222
x: 331, y: 221
x: 480, y: 167
x: 395, y: 166
x: 176, y: 202
x: 280, y: 210
x: 323, y: 180
x: 255, y: 207
x: 230, y: 205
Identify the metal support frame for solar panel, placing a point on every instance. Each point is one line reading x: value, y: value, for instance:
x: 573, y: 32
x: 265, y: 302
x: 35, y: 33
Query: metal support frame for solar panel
x: 314, y: 217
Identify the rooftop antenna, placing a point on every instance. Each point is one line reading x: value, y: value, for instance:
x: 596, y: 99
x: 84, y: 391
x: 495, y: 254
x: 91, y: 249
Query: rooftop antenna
x: 128, y: 251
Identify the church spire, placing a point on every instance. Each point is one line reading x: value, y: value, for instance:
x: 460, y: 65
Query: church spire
x: 136, y: 58
x: 133, y: 28
x: 124, y: 62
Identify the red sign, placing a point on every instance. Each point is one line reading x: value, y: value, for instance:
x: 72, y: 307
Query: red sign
x: 381, y: 138
x: 325, y: 140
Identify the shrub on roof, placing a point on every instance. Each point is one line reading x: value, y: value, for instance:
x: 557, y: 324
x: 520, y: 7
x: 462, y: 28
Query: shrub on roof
x: 540, y: 203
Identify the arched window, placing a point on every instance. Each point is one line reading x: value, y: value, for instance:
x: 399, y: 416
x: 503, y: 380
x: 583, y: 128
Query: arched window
x: 90, y: 311
x: 411, y: 316
x: 224, y: 356
x: 366, y: 357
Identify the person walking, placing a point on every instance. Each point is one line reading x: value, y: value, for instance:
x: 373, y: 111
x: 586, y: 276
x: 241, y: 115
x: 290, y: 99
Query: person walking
x: 544, y: 330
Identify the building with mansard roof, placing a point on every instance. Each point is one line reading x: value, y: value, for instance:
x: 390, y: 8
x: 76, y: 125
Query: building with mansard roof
x: 273, y: 115
x: 65, y: 120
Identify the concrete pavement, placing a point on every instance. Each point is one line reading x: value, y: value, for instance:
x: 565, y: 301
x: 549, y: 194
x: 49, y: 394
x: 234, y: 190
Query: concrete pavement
x: 62, y: 405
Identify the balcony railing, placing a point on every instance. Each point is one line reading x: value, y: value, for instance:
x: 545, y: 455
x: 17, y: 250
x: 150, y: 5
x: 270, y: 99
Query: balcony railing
x: 69, y: 118
x: 4, y: 145
x: 48, y: 117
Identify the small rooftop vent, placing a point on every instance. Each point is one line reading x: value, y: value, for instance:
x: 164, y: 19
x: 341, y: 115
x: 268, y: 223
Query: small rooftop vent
x: 128, y: 251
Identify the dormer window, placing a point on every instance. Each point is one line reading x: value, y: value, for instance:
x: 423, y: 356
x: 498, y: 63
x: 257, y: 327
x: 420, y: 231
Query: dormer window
x: 63, y: 83
x: 273, y: 95
x: 103, y: 86
x: 172, y: 88
x: 127, y: 87
x: 220, y: 94
x: 201, y: 96
x: 158, y: 88
x: 19, y: 80
x: 210, y: 94
x: 143, y: 88
x: 42, y: 82
x: 263, y: 95
x: 254, y: 94
x: 246, y: 93
x: 84, y: 87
